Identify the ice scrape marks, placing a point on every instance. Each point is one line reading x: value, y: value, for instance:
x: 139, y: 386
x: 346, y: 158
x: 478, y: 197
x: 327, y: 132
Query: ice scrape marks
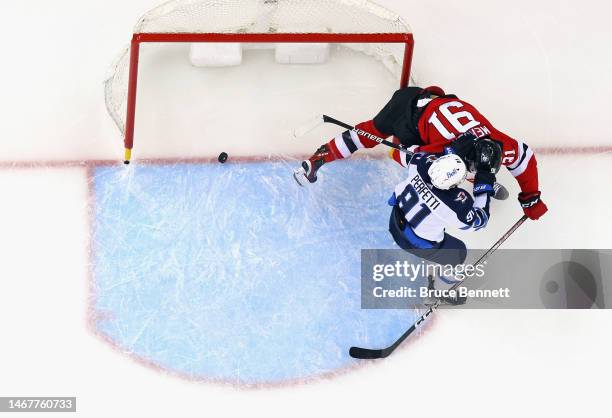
x: 234, y: 273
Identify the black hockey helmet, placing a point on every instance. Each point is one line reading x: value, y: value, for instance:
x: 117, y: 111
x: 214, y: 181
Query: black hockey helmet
x: 487, y: 155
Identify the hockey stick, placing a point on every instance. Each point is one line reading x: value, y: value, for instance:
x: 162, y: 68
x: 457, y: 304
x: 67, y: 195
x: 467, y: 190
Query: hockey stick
x: 368, y: 353
x: 321, y: 119
x: 309, y: 126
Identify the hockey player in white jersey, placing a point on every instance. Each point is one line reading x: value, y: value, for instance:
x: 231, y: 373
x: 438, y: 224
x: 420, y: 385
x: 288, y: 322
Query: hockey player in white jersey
x: 430, y: 200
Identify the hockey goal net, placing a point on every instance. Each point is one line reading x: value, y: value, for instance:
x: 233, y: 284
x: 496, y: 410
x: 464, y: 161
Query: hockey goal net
x: 357, y: 24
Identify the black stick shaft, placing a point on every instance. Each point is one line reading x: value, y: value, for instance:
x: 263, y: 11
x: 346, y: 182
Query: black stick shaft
x: 368, y: 354
x: 329, y: 119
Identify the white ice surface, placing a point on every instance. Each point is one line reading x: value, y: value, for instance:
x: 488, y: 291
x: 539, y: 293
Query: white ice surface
x: 519, y: 362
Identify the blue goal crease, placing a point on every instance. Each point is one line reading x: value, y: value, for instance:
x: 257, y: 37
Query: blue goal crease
x: 234, y: 272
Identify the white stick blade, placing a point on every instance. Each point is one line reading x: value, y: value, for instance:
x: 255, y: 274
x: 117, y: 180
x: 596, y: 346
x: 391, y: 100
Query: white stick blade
x: 315, y: 122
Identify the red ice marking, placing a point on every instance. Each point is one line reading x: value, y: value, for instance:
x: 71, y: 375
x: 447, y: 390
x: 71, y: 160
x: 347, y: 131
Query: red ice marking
x: 32, y: 164
x: 592, y: 150
x: 93, y: 316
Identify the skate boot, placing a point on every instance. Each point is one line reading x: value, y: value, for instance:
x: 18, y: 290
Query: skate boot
x: 501, y: 193
x: 454, y: 301
x: 307, y: 173
x: 429, y: 301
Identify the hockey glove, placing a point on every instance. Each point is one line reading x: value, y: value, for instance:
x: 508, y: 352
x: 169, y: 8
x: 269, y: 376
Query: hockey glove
x: 484, y: 182
x: 532, y: 205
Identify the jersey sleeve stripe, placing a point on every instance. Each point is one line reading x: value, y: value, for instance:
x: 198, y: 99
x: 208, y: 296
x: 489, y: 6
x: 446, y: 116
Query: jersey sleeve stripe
x: 522, y: 148
x: 522, y: 166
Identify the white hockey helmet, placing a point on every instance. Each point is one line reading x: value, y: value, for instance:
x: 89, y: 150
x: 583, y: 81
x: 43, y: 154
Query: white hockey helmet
x: 447, y: 171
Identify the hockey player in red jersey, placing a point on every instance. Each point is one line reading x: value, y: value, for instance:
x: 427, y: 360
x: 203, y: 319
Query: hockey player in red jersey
x: 428, y: 120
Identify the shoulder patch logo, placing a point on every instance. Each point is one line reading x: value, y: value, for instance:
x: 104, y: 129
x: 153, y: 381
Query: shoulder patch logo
x: 461, y: 197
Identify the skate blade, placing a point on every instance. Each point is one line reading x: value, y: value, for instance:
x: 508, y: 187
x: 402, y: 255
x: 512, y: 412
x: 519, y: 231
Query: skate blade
x: 300, y: 177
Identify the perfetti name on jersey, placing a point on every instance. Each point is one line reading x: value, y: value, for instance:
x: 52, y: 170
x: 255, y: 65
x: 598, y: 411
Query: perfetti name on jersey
x: 424, y: 192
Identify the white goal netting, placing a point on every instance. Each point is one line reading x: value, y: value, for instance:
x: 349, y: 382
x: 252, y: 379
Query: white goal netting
x: 262, y: 17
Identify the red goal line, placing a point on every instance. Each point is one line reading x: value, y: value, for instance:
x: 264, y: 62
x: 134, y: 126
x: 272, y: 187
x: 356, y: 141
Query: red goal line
x: 88, y: 163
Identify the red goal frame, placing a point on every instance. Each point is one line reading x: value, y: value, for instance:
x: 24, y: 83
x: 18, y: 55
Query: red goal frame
x: 138, y: 38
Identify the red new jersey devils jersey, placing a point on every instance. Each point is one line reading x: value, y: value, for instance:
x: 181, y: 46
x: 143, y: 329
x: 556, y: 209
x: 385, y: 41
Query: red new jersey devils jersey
x: 441, y: 121
x: 444, y: 118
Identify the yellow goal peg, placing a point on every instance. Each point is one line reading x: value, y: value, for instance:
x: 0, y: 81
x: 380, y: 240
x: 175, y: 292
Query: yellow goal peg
x: 128, y: 156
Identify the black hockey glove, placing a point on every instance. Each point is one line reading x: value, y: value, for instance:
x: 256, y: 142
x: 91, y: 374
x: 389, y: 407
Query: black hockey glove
x: 484, y: 182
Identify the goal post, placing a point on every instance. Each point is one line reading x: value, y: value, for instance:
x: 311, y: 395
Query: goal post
x: 357, y: 24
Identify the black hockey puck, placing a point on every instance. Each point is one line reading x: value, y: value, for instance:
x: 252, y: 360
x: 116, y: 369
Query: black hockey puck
x: 222, y: 157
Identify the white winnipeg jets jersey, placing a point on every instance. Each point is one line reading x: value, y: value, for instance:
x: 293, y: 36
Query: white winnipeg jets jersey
x: 428, y: 210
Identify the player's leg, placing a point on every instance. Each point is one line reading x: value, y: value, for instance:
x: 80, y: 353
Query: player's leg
x: 451, y: 251
x: 454, y: 300
x: 400, y: 115
x: 398, y: 118
x: 308, y: 169
x: 339, y: 147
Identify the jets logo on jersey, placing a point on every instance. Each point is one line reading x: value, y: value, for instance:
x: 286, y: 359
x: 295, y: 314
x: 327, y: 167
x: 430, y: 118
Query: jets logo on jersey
x: 461, y: 197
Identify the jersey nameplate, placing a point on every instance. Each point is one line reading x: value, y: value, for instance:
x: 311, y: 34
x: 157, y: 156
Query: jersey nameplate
x: 424, y: 192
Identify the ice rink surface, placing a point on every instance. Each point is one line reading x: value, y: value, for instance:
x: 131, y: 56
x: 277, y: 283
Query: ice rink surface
x: 233, y: 273
x: 63, y: 194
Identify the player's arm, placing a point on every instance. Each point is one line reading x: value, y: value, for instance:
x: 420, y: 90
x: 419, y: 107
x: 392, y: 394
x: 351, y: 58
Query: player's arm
x: 481, y: 211
x: 521, y: 162
x: 477, y: 216
x: 486, y: 158
x: 476, y: 219
x: 470, y: 214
